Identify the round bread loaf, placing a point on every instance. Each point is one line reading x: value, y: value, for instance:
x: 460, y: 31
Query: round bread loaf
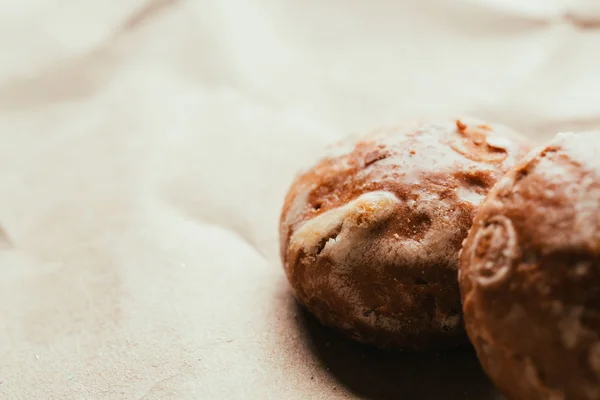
x: 530, y: 274
x: 370, y: 235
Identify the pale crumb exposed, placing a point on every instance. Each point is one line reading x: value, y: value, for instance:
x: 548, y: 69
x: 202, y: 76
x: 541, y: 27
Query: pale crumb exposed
x: 470, y: 196
x: 498, y: 142
x: 363, y: 211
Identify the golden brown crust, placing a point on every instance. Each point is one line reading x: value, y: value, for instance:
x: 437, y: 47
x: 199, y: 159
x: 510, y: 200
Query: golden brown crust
x: 530, y: 273
x: 370, y: 235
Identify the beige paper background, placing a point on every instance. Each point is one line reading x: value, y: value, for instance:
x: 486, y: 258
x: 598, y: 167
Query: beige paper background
x: 146, y: 146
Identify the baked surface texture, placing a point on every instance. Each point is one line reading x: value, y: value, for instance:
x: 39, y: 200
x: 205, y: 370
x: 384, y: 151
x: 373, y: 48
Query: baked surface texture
x: 530, y: 274
x: 370, y: 235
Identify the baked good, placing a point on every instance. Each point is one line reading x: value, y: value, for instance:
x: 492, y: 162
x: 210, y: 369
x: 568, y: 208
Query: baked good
x: 370, y: 234
x: 530, y: 274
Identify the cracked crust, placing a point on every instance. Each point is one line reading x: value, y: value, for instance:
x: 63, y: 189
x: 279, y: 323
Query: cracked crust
x: 530, y: 273
x: 370, y: 235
